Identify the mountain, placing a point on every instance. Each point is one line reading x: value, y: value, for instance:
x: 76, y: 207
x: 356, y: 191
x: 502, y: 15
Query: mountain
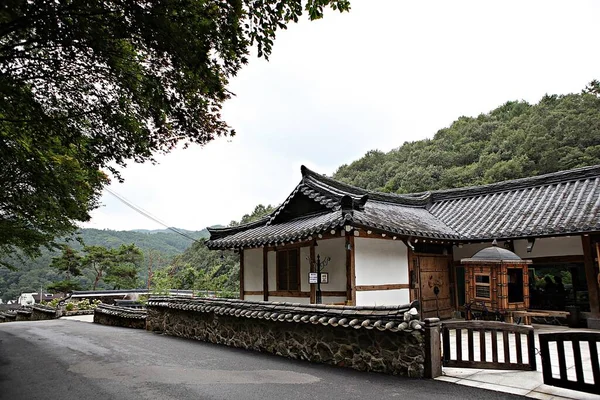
x: 515, y: 140
x: 159, y: 248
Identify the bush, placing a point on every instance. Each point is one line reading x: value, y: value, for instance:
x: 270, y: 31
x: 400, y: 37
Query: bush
x: 70, y: 307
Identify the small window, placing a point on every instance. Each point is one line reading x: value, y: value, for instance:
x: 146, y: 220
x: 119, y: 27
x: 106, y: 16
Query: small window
x: 482, y: 286
x: 288, y: 270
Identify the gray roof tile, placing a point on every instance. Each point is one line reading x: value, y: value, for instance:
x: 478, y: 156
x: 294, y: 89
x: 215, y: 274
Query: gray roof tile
x: 559, y: 203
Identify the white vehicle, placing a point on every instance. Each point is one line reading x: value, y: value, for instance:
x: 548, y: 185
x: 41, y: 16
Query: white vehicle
x: 26, y: 299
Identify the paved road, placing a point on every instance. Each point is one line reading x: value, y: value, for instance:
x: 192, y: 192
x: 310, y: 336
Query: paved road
x: 66, y: 360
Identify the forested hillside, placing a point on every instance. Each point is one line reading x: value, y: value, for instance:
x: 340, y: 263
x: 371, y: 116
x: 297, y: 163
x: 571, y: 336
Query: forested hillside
x: 158, y: 248
x: 515, y: 140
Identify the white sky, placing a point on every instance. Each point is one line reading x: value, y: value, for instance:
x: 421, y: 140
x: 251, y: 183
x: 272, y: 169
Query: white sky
x: 385, y: 73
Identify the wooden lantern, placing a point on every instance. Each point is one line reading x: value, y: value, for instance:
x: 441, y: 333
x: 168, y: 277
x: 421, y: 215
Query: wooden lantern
x: 497, y: 278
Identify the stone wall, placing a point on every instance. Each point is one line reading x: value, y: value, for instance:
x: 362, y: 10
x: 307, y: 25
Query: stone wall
x: 381, y: 339
x: 24, y: 315
x: 41, y: 313
x: 105, y: 314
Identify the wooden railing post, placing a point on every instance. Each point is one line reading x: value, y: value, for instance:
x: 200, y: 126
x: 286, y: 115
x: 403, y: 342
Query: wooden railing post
x: 433, y: 348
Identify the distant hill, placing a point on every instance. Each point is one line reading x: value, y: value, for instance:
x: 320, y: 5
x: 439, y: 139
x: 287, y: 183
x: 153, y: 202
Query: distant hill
x: 159, y: 248
x: 515, y: 140
x: 163, y: 240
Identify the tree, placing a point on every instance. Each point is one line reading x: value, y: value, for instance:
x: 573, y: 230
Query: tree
x: 89, y: 85
x: 125, y: 267
x: 259, y: 212
x: 69, y: 263
x: 99, y: 259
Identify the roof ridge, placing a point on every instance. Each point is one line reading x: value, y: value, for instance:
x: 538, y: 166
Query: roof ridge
x: 515, y: 184
x: 410, y: 199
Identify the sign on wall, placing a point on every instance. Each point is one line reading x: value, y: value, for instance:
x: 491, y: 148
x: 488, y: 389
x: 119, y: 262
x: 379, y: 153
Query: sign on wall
x: 313, y: 277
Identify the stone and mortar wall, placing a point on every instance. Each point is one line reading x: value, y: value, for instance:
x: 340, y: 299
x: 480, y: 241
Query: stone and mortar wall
x: 120, y: 316
x: 391, y: 351
x: 24, y: 315
x: 41, y: 313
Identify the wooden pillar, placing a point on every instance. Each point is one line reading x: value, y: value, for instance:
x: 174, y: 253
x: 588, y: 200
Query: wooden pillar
x: 350, y: 271
x: 312, y: 260
x: 591, y: 275
x: 265, y: 274
x: 242, y: 274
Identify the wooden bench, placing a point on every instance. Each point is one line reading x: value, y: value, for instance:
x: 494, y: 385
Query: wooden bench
x: 527, y: 314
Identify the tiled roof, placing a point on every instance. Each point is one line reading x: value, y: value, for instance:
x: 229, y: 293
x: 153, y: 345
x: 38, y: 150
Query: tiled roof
x: 392, y: 318
x: 122, y: 312
x: 559, y: 203
x: 43, y: 308
x: 285, y: 232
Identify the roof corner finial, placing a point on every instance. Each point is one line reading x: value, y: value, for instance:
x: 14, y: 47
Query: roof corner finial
x: 494, y: 243
x: 303, y: 170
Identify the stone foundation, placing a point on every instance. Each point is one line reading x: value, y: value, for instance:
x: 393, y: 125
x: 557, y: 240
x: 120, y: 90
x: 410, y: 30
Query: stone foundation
x: 41, y: 313
x: 379, y: 339
x: 120, y: 316
x: 24, y: 315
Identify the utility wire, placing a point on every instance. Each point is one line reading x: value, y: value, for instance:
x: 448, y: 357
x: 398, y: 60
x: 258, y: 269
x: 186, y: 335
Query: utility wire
x: 147, y: 214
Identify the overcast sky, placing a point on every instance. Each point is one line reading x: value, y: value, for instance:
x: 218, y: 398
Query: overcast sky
x: 385, y: 73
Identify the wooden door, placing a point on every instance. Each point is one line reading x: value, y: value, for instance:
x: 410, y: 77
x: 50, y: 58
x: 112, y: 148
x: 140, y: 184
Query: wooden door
x: 434, y: 271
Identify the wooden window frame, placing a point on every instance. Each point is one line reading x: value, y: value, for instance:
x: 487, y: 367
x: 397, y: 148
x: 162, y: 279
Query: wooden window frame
x: 488, y: 285
x: 278, y: 252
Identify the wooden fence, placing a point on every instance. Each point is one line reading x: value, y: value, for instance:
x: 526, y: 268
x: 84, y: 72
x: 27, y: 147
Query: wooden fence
x: 582, y: 364
x: 489, y: 334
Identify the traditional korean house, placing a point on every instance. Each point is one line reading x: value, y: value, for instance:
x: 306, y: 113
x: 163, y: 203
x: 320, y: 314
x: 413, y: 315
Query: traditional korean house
x: 376, y: 248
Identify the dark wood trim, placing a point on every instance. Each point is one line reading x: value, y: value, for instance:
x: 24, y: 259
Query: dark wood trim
x: 557, y: 259
x: 352, y: 298
x: 392, y: 286
x: 298, y: 268
x: 265, y: 274
x: 333, y: 293
x: 348, y: 268
x: 289, y: 246
x: 253, y: 292
x: 591, y: 275
x: 311, y: 268
x: 289, y: 293
x: 242, y: 275
x: 414, y: 253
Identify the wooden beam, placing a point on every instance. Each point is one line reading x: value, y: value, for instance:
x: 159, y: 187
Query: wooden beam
x: 348, y: 269
x: 312, y: 268
x: 289, y: 293
x: 591, y: 275
x: 352, y: 298
x: 333, y: 293
x: 253, y: 292
x: 265, y: 274
x: 242, y: 274
x: 391, y: 286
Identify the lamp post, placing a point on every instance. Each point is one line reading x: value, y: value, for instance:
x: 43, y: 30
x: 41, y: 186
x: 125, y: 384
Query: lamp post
x: 320, y: 266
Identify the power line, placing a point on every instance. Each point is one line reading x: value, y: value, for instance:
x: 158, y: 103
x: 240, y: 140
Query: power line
x: 147, y: 214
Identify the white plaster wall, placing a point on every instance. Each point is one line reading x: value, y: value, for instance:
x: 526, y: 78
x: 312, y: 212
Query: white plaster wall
x: 382, y: 297
x: 380, y: 262
x: 304, y: 269
x: 334, y: 248
x: 253, y: 269
x: 550, y: 247
x: 468, y: 250
x: 301, y: 300
x: 543, y: 247
x: 254, y: 297
x: 333, y: 299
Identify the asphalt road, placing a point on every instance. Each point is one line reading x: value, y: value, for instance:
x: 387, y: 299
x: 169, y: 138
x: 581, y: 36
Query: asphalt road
x: 65, y: 360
